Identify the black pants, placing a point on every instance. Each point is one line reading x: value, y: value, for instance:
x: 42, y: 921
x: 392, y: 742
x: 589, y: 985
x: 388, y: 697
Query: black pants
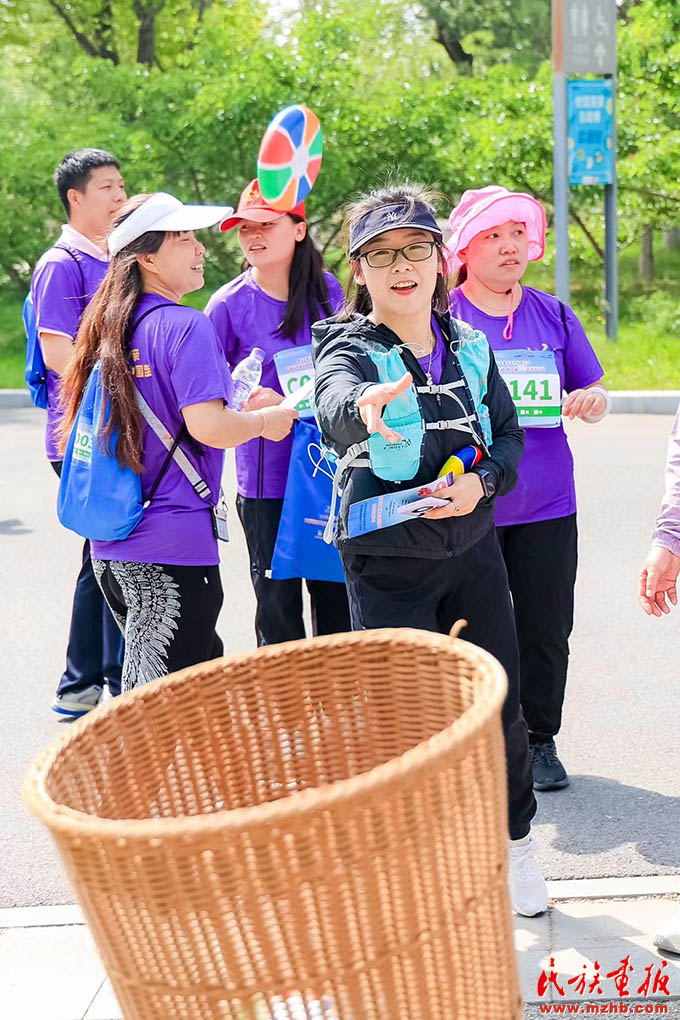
x: 541, y: 559
x: 278, y: 616
x: 95, y: 646
x: 397, y: 591
x: 167, y: 613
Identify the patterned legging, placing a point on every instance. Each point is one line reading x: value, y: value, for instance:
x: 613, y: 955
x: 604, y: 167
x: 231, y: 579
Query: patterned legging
x: 167, y: 614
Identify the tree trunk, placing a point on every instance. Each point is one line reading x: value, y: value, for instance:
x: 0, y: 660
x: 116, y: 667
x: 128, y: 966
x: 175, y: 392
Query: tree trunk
x: 146, y: 11
x: 646, y: 260
x: 453, y: 47
x: 104, y: 32
x: 146, y: 43
x: 671, y: 238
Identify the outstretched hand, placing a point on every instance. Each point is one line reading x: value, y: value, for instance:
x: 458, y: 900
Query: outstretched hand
x: 372, y: 403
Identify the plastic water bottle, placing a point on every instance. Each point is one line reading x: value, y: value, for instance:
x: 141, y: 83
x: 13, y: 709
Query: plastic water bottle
x: 246, y: 376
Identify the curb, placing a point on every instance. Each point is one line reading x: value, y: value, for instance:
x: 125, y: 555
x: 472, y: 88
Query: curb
x: 637, y: 887
x: 623, y: 401
x: 645, y: 401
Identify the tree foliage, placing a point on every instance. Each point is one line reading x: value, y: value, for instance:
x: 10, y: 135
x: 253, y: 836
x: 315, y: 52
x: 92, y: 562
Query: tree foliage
x: 181, y: 91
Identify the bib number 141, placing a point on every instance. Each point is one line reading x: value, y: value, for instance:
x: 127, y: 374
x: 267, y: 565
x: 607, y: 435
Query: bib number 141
x: 535, y: 387
x: 532, y: 390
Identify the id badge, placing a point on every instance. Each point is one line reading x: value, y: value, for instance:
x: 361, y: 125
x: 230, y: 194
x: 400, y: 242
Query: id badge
x: 534, y: 383
x: 219, y: 519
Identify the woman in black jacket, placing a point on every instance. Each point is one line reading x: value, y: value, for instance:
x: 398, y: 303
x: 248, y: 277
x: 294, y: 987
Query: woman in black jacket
x: 432, y: 571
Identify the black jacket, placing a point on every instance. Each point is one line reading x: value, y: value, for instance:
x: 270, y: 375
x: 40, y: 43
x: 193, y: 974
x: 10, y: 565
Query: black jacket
x: 343, y: 371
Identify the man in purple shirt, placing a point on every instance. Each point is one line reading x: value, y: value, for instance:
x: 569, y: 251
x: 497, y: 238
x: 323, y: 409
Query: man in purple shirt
x: 65, y: 278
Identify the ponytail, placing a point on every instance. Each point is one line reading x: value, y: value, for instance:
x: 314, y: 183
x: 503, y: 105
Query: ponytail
x: 104, y: 336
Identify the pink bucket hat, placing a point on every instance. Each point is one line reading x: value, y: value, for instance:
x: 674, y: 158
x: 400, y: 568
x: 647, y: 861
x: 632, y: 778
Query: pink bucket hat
x: 488, y: 207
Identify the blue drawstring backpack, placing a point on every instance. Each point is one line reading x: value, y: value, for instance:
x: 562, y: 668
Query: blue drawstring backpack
x: 98, y: 498
x: 35, y: 370
x: 300, y: 549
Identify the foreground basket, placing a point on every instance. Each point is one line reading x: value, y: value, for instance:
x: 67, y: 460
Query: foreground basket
x: 315, y: 829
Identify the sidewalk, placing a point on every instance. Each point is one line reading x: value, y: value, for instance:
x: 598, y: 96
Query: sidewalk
x: 49, y: 969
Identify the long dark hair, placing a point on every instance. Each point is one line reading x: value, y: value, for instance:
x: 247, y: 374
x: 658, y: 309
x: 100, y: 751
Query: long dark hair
x: 357, y: 298
x: 103, y: 336
x: 307, y: 286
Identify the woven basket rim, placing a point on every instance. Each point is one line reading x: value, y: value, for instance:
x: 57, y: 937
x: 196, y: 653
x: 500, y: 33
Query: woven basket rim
x: 452, y: 740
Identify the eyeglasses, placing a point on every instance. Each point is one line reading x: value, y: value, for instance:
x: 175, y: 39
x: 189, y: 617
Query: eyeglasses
x: 381, y: 258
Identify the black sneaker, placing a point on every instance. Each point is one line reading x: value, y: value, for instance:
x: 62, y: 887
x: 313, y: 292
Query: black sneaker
x: 547, y: 769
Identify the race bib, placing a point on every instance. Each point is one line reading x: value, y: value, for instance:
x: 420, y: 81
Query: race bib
x: 82, y: 447
x: 534, y: 384
x: 294, y: 368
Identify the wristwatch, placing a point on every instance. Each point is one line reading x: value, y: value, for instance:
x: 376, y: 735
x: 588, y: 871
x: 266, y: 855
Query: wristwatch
x: 487, y: 483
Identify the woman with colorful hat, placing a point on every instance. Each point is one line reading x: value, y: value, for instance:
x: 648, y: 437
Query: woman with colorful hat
x: 162, y: 581
x: 401, y: 389
x: 271, y: 305
x: 543, y: 352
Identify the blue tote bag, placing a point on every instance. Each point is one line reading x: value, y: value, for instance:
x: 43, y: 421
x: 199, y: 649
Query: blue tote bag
x: 98, y: 498
x: 300, y: 550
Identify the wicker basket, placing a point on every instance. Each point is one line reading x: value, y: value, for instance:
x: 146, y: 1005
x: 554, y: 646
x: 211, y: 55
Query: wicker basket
x: 316, y: 829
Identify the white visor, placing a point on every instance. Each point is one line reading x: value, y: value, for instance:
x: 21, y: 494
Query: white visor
x: 164, y: 212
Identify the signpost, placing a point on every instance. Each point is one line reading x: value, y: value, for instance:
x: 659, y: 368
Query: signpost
x: 584, y: 42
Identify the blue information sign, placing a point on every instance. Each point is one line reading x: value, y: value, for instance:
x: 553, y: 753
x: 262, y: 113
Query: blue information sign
x: 590, y: 106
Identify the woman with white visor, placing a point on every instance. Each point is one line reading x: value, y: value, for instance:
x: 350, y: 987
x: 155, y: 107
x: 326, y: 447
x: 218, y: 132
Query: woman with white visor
x: 162, y: 581
x: 542, y: 352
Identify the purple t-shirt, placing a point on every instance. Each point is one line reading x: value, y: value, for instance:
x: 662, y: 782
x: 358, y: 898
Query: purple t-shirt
x: 61, y: 289
x: 436, y: 366
x: 244, y: 316
x: 545, y: 488
x: 177, y: 360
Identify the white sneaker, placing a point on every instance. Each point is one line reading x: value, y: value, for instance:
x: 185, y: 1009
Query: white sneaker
x: 668, y: 936
x: 528, y: 891
x: 78, y: 702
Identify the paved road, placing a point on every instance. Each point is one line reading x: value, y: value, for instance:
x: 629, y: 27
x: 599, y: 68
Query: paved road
x: 621, y: 815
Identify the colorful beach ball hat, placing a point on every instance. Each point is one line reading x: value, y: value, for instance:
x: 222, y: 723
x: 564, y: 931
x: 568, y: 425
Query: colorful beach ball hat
x: 289, y: 159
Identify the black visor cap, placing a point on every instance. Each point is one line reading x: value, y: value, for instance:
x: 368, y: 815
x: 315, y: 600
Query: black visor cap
x: 418, y: 216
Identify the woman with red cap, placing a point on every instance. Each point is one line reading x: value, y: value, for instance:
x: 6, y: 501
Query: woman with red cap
x: 272, y: 305
x: 542, y: 351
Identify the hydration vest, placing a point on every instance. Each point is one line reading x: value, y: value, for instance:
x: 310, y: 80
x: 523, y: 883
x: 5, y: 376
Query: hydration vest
x: 400, y: 461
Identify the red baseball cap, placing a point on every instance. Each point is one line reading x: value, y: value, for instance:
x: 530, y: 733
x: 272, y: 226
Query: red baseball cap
x: 252, y: 206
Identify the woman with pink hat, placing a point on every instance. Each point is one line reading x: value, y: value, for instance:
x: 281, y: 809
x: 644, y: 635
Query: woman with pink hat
x: 542, y: 352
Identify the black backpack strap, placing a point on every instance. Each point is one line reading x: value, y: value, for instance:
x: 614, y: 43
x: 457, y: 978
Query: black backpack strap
x: 142, y: 317
x: 194, y: 446
x: 563, y: 313
x: 166, y: 463
x: 74, y: 255
x: 183, y: 432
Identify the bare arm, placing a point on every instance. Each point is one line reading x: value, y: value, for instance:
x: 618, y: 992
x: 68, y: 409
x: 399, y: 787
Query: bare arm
x: 57, y: 351
x: 216, y: 425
